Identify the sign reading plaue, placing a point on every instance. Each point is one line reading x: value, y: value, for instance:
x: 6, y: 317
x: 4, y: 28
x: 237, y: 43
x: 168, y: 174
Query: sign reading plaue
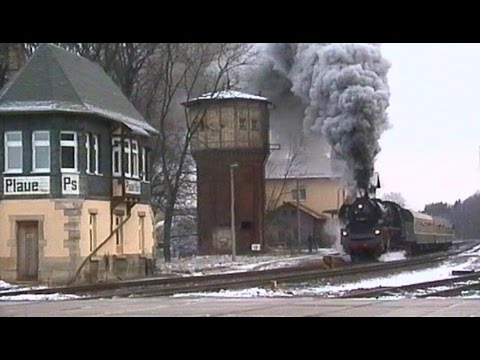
x: 23, y: 185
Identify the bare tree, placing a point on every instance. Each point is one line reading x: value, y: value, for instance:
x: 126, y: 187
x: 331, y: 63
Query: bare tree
x: 4, y: 63
x: 282, y: 170
x: 395, y: 197
x: 178, y: 73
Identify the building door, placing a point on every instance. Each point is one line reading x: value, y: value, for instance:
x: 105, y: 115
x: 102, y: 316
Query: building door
x: 27, y: 250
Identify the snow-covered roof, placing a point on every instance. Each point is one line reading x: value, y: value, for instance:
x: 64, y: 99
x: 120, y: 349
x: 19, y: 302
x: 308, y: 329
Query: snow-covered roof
x: 226, y: 95
x: 55, y: 80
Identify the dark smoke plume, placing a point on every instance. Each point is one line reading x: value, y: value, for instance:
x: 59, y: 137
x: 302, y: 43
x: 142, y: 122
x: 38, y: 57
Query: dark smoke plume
x: 344, y: 94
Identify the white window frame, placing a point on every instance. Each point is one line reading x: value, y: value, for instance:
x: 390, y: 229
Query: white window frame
x: 93, y: 231
x: 141, y: 233
x: 87, y: 146
x: 96, y: 164
x: 44, y: 143
x: 144, y: 164
x: 135, y: 160
x: 119, y: 235
x: 97, y: 156
x: 127, y: 151
x: 116, y: 150
x: 69, y: 143
x: 10, y: 144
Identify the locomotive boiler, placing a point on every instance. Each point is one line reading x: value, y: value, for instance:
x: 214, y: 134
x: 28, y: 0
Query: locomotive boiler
x: 372, y: 227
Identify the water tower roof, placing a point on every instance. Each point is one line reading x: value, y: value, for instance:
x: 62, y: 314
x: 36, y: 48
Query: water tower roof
x: 226, y: 95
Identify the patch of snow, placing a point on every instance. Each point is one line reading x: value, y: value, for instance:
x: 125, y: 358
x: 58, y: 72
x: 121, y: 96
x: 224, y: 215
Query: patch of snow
x: 5, y: 286
x: 393, y: 256
x: 46, y: 297
x: 228, y: 94
x: 246, y: 293
x: 223, y: 263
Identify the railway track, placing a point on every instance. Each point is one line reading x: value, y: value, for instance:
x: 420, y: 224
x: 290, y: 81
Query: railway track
x: 169, y: 286
x: 454, y: 286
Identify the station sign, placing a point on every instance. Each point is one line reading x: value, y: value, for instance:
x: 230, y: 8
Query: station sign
x: 26, y: 185
x: 256, y: 247
x: 70, y: 184
x: 133, y: 187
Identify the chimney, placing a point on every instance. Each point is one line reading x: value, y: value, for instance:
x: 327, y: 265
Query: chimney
x: 16, y: 59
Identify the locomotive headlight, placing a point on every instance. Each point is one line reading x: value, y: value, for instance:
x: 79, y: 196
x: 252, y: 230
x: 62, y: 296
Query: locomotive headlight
x: 377, y: 232
x: 360, y: 206
x: 344, y: 233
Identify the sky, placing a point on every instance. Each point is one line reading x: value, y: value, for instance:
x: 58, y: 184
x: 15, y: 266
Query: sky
x: 431, y: 152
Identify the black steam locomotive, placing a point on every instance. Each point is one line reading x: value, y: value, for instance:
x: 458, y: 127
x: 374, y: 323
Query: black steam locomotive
x: 372, y: 227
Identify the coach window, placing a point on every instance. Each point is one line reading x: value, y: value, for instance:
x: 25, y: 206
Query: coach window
x: 41, y: 151
x: 13, y: 152
x: 69, y: 151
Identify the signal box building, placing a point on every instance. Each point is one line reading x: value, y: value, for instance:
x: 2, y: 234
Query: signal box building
x: 74, y: 175
x: 231, y: 144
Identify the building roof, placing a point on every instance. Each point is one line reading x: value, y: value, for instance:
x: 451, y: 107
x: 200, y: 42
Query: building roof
x: 56, y: 80
x: 226, y: 95
x: 304, y: 209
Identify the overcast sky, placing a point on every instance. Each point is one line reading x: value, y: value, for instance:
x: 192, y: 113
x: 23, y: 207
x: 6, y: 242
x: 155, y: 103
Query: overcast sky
x: 431, y: 153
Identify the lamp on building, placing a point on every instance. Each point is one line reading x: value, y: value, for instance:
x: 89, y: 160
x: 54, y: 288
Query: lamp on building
x: 232, y: 194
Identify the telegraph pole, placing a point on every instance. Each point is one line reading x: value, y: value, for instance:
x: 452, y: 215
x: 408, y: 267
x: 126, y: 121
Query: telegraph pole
x: 232, y: 209
x: 299, y: 231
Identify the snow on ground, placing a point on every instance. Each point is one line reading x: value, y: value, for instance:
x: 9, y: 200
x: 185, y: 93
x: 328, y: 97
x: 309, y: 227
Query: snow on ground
x: 393, y: 256
x: 444, y: 270
x: 49, y: 297
x: 246, y: 293
x: 202, y: 265
x: 6, y: 287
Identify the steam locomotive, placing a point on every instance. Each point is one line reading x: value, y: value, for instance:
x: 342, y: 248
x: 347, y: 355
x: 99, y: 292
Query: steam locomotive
x: 372, y: 227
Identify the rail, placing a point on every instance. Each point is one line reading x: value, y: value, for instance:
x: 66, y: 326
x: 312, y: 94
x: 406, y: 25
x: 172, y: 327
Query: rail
x: 165, y: 286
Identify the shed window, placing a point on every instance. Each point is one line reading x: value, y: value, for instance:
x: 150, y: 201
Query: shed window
x: 69, y: 149
x: 13, y: 152
x: 41, y: 151
x: 255, y: 125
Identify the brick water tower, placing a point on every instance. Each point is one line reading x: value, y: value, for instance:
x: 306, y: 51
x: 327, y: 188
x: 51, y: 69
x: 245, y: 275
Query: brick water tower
x: 230, y: 147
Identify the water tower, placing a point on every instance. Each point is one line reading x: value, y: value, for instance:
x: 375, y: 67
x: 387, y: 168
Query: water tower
x: 230, y: 147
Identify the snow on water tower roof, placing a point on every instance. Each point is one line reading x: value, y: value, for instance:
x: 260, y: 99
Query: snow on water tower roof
x: 226, y: 95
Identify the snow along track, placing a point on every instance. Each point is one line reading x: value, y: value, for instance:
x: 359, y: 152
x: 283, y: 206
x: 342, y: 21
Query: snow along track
x: 169, y: 286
